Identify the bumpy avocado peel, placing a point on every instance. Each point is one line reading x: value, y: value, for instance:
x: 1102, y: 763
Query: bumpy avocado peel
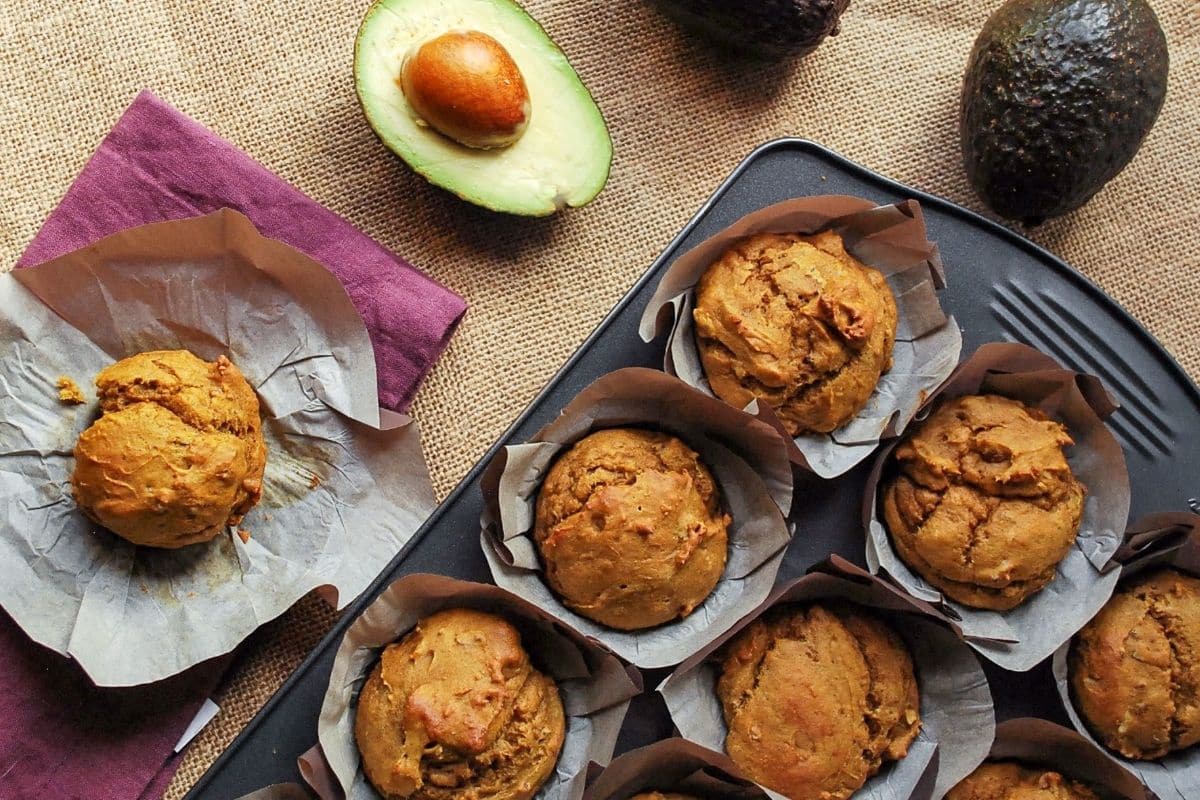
x: 1058, y: 96
x: 765, y: 29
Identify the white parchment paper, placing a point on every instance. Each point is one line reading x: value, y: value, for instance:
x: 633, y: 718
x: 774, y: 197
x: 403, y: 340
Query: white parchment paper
x: 957, y: 718
x: 891, y: 239
x: 345, y: 483
x: 672, y: 765
x: 749, y: 464
x: 595, y: 687
x: 1169, y: 540
x: 1041, y: 743
x: 1022, y: 637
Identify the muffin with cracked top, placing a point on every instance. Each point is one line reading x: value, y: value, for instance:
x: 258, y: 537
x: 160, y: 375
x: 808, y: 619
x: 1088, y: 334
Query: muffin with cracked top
x: 630, y: 527
x: 455, y: 709
x: 1006, y: 780
x: 178, y: 454
x: 1134, y: 670
x: 817, y: 698
x: 983, y: 504
x: 797, y: 323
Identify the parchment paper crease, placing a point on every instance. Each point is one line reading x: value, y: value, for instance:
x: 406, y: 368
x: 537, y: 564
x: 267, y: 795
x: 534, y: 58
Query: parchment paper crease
x: 345, y: 484
x: 595, y: 687
x: 1166, y: 540
x: 672, y: 765
x: 957, y: 718
x: 747, y: 458
x: 889, y: 238
x: 1020, y: 638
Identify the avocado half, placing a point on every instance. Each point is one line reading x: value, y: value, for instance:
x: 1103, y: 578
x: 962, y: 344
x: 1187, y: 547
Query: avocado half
x: 562, y: 159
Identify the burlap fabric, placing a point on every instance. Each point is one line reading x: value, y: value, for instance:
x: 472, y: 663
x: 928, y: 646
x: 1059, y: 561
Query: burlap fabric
x: 275, y: 78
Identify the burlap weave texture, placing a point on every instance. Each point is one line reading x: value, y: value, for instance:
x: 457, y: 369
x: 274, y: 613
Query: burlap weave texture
x: 275, y: 78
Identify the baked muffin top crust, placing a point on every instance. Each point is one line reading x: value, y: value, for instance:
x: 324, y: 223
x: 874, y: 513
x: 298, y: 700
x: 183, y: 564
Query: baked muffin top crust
x: 455, y: 709
x: 984, y: 504
x: 1135, y: 668
x: 630, y: 528
x: 178, y: 453
x: 798, y: 323
x: 1005, y: 780
x: 816, y: 698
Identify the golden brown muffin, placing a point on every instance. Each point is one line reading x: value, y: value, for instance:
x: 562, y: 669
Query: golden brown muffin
x: 456, y: 710
x: 1004, y: 780
x: 630, y: 528
x: 984, y: 504
x: 798, y: 323
x: 178, y: 454
x: 1135, y: 668
x: 817, y: 698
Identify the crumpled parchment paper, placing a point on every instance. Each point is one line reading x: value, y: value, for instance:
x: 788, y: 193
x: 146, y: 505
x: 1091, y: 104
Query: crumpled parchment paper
x: 345, y: 483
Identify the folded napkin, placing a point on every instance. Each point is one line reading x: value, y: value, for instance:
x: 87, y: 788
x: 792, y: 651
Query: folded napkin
x: 64, y: 738
x: 61, y: 736
x: 158, y: 164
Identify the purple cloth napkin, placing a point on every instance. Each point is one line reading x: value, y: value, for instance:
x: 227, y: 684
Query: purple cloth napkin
x: 158, y: 164
x: 64, y: 738
x: 60, y: 736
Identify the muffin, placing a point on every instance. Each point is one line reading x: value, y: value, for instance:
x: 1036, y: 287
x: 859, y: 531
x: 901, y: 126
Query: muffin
x: 1134, y: 670
x: 817, y: 698
x: 983, y: 504
x: 630, y: 528
x: 797, y: 323
x: 178, y: 453
x: 1003, y: 780
x: 455, y: 709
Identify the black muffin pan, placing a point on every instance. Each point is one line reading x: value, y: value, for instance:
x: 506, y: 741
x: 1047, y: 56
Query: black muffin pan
x: 1001, y: 288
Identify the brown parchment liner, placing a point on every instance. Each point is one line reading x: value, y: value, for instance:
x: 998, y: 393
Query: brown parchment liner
x: 1157, y: 540
x: 747, y: 458
x: 1020, y: 638
x: 672, y: 765
x: 345, y: 483
x: 889, y: 238
x: 1040, y: 743
x: 594, y: 685
x: 957, y: 717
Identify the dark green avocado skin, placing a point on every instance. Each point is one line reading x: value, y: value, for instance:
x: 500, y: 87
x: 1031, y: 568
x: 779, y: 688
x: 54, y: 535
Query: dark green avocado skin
x: 760, y: 29
x: 1058, y: 96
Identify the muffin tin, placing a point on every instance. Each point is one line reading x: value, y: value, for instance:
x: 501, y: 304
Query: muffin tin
x: 1001, y: 288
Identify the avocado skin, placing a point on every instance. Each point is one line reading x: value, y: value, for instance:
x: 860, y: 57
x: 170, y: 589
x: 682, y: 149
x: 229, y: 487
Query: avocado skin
x: 764, y: 30
x: 1058, y: 96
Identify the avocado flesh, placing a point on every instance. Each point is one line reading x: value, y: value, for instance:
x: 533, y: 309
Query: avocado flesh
x: 563, y: 157
x: 1058, y: 96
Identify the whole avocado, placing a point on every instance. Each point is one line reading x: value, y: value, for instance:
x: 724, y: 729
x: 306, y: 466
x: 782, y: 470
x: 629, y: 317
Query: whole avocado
x: 1058, y: 96
x: 766, y: 29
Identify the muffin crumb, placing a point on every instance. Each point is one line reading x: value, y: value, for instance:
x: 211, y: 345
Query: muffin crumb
x: 69, y: 392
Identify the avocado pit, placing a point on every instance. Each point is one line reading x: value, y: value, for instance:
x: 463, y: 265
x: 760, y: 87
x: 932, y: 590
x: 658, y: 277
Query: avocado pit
x: 466, y: 86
